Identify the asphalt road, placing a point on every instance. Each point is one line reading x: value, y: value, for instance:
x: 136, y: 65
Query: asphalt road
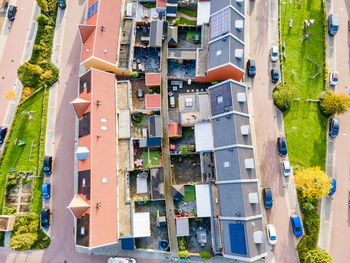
x: 340, y: 215
x: 263, y: 34
x: 12, y: 45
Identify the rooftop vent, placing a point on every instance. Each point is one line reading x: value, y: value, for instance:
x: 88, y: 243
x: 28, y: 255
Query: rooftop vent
x: 239, y: 24
x: 245, y: 129
x: 241, y: 97
x: 249, y: 163
x: 239, y: 53
x: 253, y: 198
x: 226, y: 164
x: 219, y: 52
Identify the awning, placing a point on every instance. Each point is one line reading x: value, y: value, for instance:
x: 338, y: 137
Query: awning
x: 142, y: 225
x: 141, y: 185
x: 203, y: 200
x: 203, y: 136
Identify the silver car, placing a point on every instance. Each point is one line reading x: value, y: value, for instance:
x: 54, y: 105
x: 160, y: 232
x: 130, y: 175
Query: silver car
x: 274, y: 53
x: 286, y: 168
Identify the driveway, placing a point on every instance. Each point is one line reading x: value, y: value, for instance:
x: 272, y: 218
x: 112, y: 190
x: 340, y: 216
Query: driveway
x: 268, y: 125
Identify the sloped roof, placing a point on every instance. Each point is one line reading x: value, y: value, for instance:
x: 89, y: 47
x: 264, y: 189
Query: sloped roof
x: 156, y: 33
x: 178, y: 191
x: 78, y: 206
x: 80, y: 106
x: 152, y: 101
x: 161, y: 4
x: 174, y: 130
x: 172, y: 34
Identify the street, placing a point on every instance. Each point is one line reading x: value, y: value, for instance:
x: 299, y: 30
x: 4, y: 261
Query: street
x: 268, y: 125
x: 340, y: 217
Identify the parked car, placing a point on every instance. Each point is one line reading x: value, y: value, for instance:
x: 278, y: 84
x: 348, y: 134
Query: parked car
x: 271, y: 234
x: 333, y: 24
x: 251, y: 67
x: 333, y: 127
x: 46, y: 190
x: 45, y: 218
x: 334, y: 187
x: 282, y: 146
x: 333, y: 78
x: 47, y: 166
x: 267, y: 197
x: 3, y: 131
x: 286, y: 168
x: 275, y: 75
x: 62, y: 3
x: 11, y: 13
x: 121, y: 260
x: 296, y: 225
x: 274, y: 53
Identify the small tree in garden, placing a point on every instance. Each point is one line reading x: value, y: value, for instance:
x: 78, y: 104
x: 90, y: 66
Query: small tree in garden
x: 283, y: 96
x: 183, y: 253
x: 313, y: 182
x: 134, y: 74
x: 318, y: 255
x: 184, y: 150
x: 331, y: 103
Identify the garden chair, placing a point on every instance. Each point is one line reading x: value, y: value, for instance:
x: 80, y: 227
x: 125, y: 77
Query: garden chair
x: 20, y: 143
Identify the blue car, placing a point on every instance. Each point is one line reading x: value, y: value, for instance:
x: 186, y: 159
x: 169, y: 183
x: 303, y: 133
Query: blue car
x: 46, y: 191
x: 333, y: 127
x: 267, y: 196
x: 3, y: 131
x: 296, y: 225
x: 333, y: 188
x: 45, y: 218
x: 282, y: 146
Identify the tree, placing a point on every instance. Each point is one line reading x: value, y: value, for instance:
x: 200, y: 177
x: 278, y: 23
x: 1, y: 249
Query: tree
x: 42, y: 4
x: 184, y: 150
x: 134, y: 74
x: 313, y: 182
x: 283, y: 96
x: 331, y: 103
x: 11, y: 94
x: 317, y: 255
x: 23, y: 241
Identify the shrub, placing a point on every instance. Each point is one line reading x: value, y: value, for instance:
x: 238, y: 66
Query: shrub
x: 23, y: 241
x: 43, y: 20
x: 134, y: 74
x: 331, y: 103
x: 184, y: 150
x: 305, y: 244
x: 182, y: 243
x: 10, y: 211
x: 42, y: 242
x: 283, y: 96
x: 308, y: 208
x: 26, y: 92
x: 183, y: 253
x: 312, y: 224
x: 204, y: 255
x: 317, y: 255
x: 176, y: 22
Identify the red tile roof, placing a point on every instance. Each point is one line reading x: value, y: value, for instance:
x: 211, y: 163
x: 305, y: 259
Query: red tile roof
x: 152, y: 79
x: 161, y: 4
x: 102, y: 158
x: 153, y: 101
x: 174, y: 130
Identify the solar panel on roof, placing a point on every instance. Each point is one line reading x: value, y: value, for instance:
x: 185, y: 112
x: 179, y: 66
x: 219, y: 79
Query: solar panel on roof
x: 220, y: 23
x: 92, y: 9
x: 237, y: 239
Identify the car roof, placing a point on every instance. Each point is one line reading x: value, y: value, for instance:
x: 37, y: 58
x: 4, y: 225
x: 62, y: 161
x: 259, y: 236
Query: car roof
x: 268, y: 193
x: 252, y: 61
x: 275, y: 70
x: 334, y: 182
x: 272, y: 229
x: 336, y: 74
x: 286, y: 164
x: 275, y: 49
x: 336, y: 121
x: 296, y: 220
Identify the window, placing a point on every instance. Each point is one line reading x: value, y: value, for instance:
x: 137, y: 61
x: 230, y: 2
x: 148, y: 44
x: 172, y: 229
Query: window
x: 104, y: 128
x: 219, y: 99
x: 219, y: 52
x: 82, y: 231
x: 92, y: 9
x: 103, y: 120
x: 84, y: 125
x: 104, y: 180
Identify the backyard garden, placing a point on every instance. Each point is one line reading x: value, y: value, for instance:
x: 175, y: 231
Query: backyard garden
x: 20, y: 167
x: 302, y: 54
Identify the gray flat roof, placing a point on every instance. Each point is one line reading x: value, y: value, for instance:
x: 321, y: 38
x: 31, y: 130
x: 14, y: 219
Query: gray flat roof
x: 252, y: 249
x: 230, y: 164
x: 156, y: 33
x: 217, y: 5
x: 222, y: 51
x: 234, y: 200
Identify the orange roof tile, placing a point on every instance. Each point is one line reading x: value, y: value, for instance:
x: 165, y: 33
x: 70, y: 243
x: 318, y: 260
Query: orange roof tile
x: 152, y: 79
x: 152, y: 101
x: 102, y: 44
x: 161, y: 4
x: 78, y: 206
x: 174, y: 130
x: 80, y: 106
x: 102, y: 159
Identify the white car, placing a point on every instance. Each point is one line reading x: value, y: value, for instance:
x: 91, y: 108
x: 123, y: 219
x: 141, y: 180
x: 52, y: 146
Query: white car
x: 274, y: 53
x: 271, y: 234
x: 286, y: 168
x: 333, y: 78
x: 121, y: 260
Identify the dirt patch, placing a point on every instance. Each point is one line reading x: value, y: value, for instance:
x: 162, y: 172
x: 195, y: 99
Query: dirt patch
x: 138, y: 104
x: 26, y: 199
x: 186, y: 169
x: 24, y: 208
x: 26, y: 188
x: 11, y: 199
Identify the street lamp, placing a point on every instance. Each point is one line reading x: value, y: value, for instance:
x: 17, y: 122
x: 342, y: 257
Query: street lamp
x: 293, y: 129
x: 46, y: 12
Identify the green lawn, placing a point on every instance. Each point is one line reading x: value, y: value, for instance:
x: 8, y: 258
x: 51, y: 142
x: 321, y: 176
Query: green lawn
x: 190, y: 35
x: 307, y: 143
x: 186, y: 22
x: 187, y: 131
x: 153, y: 157
x: 192, y: 12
